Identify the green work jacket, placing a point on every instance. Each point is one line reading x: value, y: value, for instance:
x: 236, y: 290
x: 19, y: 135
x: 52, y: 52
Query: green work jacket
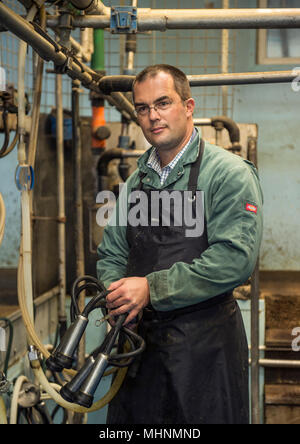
x: 233, y: 212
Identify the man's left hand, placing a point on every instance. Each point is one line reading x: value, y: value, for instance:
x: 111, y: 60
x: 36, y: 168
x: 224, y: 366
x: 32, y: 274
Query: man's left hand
x: 128, y: 295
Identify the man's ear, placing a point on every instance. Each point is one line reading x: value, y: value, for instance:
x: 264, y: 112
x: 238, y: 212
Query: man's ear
x: 190, y: 106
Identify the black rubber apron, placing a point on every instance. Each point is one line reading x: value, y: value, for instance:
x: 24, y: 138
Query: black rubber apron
x: 195, y: 366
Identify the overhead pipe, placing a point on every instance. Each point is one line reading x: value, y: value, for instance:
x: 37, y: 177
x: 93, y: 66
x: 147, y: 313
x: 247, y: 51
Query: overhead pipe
x: 244, y: 78
x: 164, y: 19
x: 46, y: 50
x: 124, y: 83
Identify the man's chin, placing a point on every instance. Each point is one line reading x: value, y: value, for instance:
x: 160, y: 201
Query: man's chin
x: 159, y: 141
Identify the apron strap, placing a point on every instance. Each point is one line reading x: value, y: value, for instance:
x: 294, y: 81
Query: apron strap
x: 195, y: 168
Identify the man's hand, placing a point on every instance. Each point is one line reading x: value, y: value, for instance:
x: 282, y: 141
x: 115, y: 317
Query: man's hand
x: 128, y: 295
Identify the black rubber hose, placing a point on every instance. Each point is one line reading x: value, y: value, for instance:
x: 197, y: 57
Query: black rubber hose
x: 134, y: 353
x: 230, y: 125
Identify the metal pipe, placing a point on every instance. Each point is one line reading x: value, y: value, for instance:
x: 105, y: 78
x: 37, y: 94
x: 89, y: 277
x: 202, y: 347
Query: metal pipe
x: 202, y: 122
x: 244, y: 78
x: 124, y: 83
x: 61, y: 202
x: 78, y: 196
x: 163, y: 19
x: 25, y: 31
x: 123, y: 103
x: 224, y: 62
x: 279, y: 363
x: 80, y: 49
x: 131, y: 47
x: 255, y: 411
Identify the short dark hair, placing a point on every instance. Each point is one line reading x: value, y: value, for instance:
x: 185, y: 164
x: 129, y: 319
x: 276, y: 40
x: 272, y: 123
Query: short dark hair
x: 181, y: 83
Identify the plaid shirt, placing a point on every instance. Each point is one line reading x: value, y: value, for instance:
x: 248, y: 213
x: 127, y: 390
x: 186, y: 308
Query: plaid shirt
x: 154, y: 160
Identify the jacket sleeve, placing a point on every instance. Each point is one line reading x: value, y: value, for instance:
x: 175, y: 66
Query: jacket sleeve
x: 234, y: 228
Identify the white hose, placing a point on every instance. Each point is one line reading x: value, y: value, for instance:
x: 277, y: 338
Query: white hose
x: 14, y: 402
x: 2, y: 218
x: 25, y: 198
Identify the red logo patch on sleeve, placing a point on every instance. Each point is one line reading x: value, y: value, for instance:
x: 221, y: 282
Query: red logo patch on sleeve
x: 252, y: 208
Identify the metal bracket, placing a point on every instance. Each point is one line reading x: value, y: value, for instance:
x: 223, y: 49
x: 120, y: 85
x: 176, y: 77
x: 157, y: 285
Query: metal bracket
x: 123, y: 20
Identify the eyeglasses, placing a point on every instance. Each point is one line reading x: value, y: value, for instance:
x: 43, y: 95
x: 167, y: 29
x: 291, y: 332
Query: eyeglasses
x: 144, y: 110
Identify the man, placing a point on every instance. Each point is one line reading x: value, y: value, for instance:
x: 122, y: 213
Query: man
x: 177, y: 280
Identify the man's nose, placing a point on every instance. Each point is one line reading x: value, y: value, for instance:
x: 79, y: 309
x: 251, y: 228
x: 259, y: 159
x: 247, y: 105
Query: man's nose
x: 153, y: 114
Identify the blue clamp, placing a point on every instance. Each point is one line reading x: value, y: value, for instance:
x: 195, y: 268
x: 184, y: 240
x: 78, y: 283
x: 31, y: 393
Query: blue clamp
x: 24, y: 177
x: 123, y: 20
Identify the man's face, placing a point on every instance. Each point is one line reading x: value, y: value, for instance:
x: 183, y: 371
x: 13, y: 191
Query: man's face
x: 166, y: 129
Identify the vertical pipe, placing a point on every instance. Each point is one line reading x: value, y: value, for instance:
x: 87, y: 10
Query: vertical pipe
x: 61, y: 203
x: 79, y: 235
x: 255, y: 413
x: 131, y: 53
x: 97, y: 62
x: 87, y: 44
x: 225, y: 53
x: 97, y: 102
